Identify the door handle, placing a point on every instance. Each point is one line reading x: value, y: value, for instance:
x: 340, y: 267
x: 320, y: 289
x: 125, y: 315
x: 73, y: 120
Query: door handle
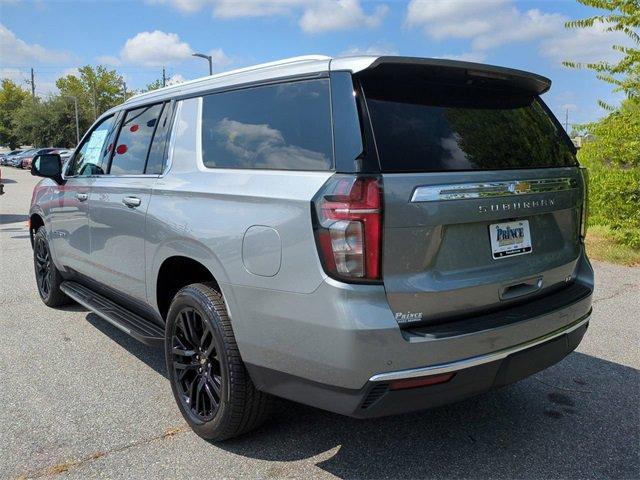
x: 82, y: 196
x: 131, y: 201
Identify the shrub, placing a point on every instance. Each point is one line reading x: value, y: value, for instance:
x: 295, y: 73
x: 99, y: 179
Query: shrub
x: 613, y: 159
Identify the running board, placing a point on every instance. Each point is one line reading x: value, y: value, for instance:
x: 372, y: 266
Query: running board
x: 130, y: 323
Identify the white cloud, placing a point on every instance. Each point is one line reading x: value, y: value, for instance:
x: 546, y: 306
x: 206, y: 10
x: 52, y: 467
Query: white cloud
x: 339, y: 15
x: 158, y: 48
x: 14, y: 51
x: 314, y: 15
x: 487, y: 23
x: 154, y: 49
x: 583, y: 45
x: 492, y: 23
x: 376, y: 49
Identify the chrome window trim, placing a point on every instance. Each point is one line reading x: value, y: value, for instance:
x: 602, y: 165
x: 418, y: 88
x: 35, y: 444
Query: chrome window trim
x: 480, y: 359
x: 465, y: 191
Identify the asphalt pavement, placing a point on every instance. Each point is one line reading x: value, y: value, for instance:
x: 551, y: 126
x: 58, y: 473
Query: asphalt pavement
x: 81, y: 399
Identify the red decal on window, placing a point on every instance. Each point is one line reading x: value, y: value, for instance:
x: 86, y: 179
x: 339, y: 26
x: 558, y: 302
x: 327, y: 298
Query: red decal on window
x: 134, y: 127
x: 121, y: 149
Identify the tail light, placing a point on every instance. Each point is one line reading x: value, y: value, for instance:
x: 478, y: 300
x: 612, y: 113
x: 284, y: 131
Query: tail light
x: 584, y: 213
x: 348, y: 226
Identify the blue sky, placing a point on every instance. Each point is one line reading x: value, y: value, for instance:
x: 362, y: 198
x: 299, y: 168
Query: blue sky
x: 138, y: 37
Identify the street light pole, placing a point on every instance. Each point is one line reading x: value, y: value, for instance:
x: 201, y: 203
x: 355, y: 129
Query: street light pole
x: 75, y: 102
x: 208, y: 57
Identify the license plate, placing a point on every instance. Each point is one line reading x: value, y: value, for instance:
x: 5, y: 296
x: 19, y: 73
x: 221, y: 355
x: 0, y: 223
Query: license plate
x: 509, y: 239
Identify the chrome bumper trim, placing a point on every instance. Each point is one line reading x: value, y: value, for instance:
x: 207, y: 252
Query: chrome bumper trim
x: 478, y: 360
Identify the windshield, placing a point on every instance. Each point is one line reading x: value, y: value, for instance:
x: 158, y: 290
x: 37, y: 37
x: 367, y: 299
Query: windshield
x: 455, y: 127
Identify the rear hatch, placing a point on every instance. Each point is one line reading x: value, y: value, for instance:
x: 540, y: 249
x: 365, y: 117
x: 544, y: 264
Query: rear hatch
x: 482, y: 192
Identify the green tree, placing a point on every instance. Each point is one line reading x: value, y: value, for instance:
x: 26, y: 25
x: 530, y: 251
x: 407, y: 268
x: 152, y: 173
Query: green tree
x: 156, y: 84
x: 12, y: 97
x: 46, y: 123
x: 97, y: 90
x: 621, y: 16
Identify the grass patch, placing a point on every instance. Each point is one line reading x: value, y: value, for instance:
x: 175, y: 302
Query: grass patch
x: 601, y: 245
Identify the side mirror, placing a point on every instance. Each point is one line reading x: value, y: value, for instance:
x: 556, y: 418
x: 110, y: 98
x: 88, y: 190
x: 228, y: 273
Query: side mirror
x: 48, y: 165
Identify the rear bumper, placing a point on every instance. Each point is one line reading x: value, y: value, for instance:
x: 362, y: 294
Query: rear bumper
x: 341, y: 340
x: 471, y: 377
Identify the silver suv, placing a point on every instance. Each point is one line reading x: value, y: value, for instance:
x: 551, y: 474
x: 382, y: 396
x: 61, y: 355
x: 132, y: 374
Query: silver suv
x: 367, y: 235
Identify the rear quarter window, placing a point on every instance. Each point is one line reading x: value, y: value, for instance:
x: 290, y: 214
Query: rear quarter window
x: 283, y: 126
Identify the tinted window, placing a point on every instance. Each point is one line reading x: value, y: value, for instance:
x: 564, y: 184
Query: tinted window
x: 155, y: 162
x: 283, y: 126
x: 134, y: 139
x: 441, y: 128
x: 89, y: 156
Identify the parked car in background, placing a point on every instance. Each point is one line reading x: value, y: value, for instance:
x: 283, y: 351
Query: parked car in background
x: 65, y: 154
x: 4, y: 158
x: 368, y: 235
x: 25, y: 161
x: 16, y: 160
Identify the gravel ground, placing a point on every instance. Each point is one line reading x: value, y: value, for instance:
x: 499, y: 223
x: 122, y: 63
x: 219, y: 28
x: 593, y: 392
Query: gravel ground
x: 81, y: 399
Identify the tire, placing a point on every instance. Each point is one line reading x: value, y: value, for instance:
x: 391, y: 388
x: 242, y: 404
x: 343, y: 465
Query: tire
x: 48, y: 277
x: 209, y: 380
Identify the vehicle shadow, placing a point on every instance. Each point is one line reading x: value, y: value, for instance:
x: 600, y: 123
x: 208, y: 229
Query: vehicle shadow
x: 577, y: 419
x: 12, y: 218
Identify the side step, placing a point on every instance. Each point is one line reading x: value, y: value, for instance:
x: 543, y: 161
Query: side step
x: 138, y: 327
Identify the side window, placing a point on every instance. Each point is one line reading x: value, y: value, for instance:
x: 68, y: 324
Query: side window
x: 284, y: 126
x: 89, y: 156
x: 155, y: 162
x: 133, y: 142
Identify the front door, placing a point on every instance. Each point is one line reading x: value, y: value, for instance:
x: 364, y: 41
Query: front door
x: 69, y: 210
x: 118, y: 204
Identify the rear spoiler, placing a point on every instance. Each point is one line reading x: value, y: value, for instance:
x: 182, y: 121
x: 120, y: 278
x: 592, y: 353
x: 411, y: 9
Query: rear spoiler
x: 441, y: 69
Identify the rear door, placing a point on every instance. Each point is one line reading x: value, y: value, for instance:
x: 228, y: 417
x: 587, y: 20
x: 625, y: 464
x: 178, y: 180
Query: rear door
x: 119, y: 201
x: 482, y: 195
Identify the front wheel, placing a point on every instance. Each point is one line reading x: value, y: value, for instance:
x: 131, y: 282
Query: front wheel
x: 48, y: 278
x: 209, y: 380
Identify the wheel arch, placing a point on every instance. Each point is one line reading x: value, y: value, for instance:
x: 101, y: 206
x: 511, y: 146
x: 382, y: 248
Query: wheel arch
x: 35, y: 222
x: 176, y: 271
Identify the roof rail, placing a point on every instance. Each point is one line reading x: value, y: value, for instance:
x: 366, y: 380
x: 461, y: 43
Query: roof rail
x: 261, y: 66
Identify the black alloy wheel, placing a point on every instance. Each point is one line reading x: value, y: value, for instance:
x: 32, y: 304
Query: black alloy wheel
x: 43, y: 266
x: 196, y: 365
x: 209, y: 380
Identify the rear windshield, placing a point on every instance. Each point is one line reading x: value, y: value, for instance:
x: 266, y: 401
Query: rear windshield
x: 447, y: 128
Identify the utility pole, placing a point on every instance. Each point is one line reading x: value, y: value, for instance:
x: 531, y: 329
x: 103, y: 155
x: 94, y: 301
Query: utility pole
x: 33, y: 86
x: 124, y: 87
x: 75, y: 102
x: 164, y: 78
x: 95, y: 106
x: 566, y: 120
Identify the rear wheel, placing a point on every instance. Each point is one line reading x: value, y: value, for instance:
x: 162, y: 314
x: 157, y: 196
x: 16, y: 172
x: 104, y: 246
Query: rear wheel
x: 209, y: 380
x: 48, y: 278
